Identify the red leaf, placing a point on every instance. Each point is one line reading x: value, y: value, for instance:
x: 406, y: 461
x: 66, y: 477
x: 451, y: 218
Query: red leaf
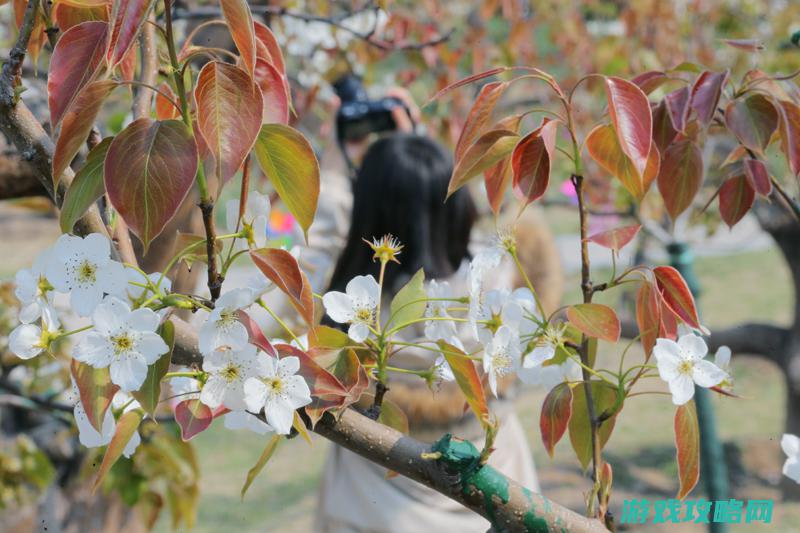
x: 468, y: 80
x: 488, y: 150
x: 76, y: 60
x: 676, y: 294
x: 478, y: 116
x: 749, y: 45
x: 663, y: 130
x: 604, y: 148
x: 193, y: 417
x: 127, y: 425
x: 736, y: 197
x: 680, y: 176
x: 498, y: 176
x: 705, y: 94
x: 648, y: 315
x: 66, y: 16
x: 531, y: 160
x: 229, y: 105
x: 633, y: 123
x: 165, y: 109
x: 240, y: 23
x: 678, y: 106
x: 556, y: 412
x: 274, y: 92
x: 789, y: 113
x: 650, y: 81
x: 95, y: 389
x: 757, y: 176
x: 128, y: 17
x: 752, y: 120
x: 267, y: 47
x: 256, y: 336
x: 282, y: 269
x: 595, y: 320
x: 326, y: 390
x: 78, y: 122
x: 668, y: 328
x: 150, y: 168
x: 467, y: 379
x: 616, y: 239
x: 687, y: 442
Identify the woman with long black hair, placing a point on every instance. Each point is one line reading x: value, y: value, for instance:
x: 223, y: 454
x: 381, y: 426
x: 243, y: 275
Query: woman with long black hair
x: 400, y: 189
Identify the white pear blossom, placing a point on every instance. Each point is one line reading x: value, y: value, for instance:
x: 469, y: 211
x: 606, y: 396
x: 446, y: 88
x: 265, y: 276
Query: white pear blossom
x: 550, y: 375
x: 254, y: 220
x: 439, y: 329
x: 682, y: 364
x: 487, y: 259
x: 237, y: 420
x: 227, y: 371
x: 88, y: 435
x: 356, y: 306
x: 34, y: 292
x: 442, y: 370
x: 791, y: 447
x: 496, y: 309
x: 278, y: 392
x: 123, y: 340
x: 223, y: 327
x: 501, y: 356
x: 723, y: 360
x: 29, y: 340
x: 83, y: 267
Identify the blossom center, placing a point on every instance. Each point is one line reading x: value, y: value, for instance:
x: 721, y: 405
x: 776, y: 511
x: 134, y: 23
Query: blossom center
x: 226, y: 319
x: 122, y: 343
x: 87, y: 272
x: 363, y: 314
x: 685, y: 367
x: 230, y: 372
x: 501, y: 362
x: 275, y: 385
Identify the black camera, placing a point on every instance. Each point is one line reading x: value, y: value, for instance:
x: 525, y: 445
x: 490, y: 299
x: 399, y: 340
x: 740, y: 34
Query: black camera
x: 359, y: 116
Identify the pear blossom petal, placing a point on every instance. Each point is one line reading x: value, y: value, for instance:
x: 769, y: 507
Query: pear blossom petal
x: 707, y: 374
x: 279, y: 414
x: 358, y: 332
x: 237, y: 420
x: 128, y: 372
x: 682, y: 388
x: 693, y: 346
x: 364, y: 289
x: 94, y: 350
x: 87, y: 434
x: 24, y: 341
x: 151, y: 346
x: 288, y: 366
x: 790, y: 444
x: 255, y: 394
x: 143, y: 319
x: 339, y: 306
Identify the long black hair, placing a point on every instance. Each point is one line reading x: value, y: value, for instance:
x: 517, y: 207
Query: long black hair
x: 400, y: 189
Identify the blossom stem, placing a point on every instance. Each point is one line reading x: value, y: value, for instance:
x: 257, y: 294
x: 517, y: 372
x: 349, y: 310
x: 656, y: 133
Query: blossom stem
x: 404, y: 325
x: 419, y: 300
x: 170, y: 375
x: 471, y: 356
x: 279, y: 321
x: 592, y: 371
x: 524, y: 274
x: 73, y: 332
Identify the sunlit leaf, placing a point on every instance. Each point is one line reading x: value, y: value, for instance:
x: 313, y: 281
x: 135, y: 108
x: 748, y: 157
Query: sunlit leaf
x: 86, y: 188
x: 240, y: 23
x: 687, y: 442
x: 77, y: 123
x: 165, y: 110
x: 497, y: 178
x: 616, y: 239
x: 648, y: 315
x: 604, y: 148
x: 580, y: 430
x: 127, y: 425
x: 467, y: 379
x: 127, y: 18
x: 66, y: 16
x: 287, y: 159
x: 736, y: 197
x: 280, y: 267
x: 595, y: 320
x: 274, y: 92
x: 478, y: 116
x: 752, y: 120
x: 77, y: 57
x: 267, y: 47
x: 630, y: 113
x: 531, y: 161
x: 676, y: 295
x: 95, y: 389
x: 490, y: 148
x: 409, y: 303
x: 193, y: 417
x: 555, y: 415
x: 272, y: 445
x: 150, y: 168
x: 680, y: 176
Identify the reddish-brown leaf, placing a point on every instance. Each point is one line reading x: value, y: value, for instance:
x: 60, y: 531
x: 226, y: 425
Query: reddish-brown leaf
x: 789, y: 113
x: 478, y: 116
x: 651, y: 80
x: 705, y: 94
x: 282, y: 269
x: 78, y: 122
x: 255, y: 335
x: 676, y: 295
x: 595, y: 320
x: 267, y: 47
x: 555, y: 415
x: 475, y: 77
x: 95, y: 390
x: 489, y: 149
x: 663, y: 130
x: 749, y: 45
x: 165, y: 109
x: 127, y: 425
x: 66, y: 16
x: 680, y: 176
x: 668, y: 327
x: 149, y: 169
x: 752, y: 120
x: 274, y: 92
x: 193, y: 417
x: 240, y: 23
x: 604, y: 148
x: 76, y: 59
x: 467, y: 379
x: 229, y: 105
x: 678, y: 106
x: 757, y: 175
x: 531, y: 160
x: 736, y: 197
x: 616, y: 239
x: 128, y: 17
x: 687, y: 442
x: 648, y: 315
x: 498, y: 177
x: 633, y: 123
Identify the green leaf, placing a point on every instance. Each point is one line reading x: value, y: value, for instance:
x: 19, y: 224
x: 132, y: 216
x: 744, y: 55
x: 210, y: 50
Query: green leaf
x: 287, y: 159
x: 86, y: 187
x: 150, y: 391
x: 96, y: 391
x: 687, y: 442
x: 409, y: 303
x: 262, y: 461
x: 580, y: 431
x: 394, y: 417
x: 468, y: 380
x: 595, y: 320
x: 127, y: 425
